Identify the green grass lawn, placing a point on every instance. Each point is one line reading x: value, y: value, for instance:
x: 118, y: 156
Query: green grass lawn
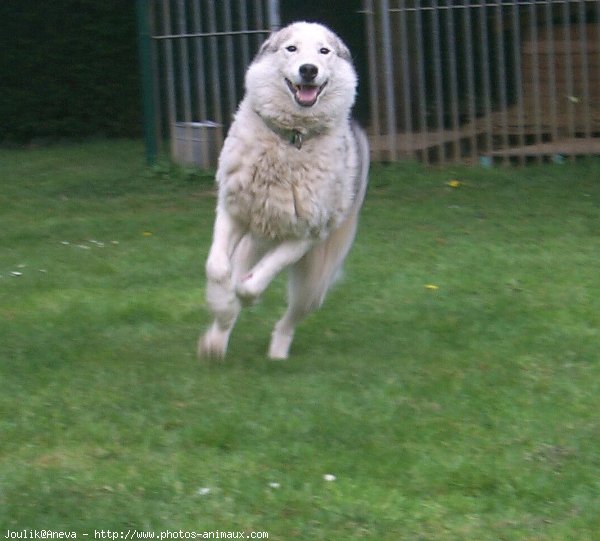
x: 451, y: 382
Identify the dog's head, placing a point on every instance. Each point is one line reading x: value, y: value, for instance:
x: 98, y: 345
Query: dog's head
x: 304, y: 71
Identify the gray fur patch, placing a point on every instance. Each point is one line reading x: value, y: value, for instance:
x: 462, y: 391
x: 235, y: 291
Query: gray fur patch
x: 274, y: 42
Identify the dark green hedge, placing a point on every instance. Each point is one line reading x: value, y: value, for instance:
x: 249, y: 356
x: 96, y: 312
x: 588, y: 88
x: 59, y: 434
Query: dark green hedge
x: 68, y: 68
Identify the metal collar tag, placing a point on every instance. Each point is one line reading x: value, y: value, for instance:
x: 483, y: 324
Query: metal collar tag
x: 296, y: 139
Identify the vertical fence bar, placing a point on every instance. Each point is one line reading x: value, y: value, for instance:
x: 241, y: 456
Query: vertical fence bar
x: 244, y: 39
x: 406, y: 80
x: 585, y: 80
x: 551, y: 67
x: 518, y: 77
x: 258, y: 20
x: 597, y: 59
x: 423, y: 128
x: 199, y: 62
x: 484, y: 69
x: 229, y: 58
x: 213, y: 45
x: 535, y: 66
x: 501, y: 74
x: 184, y: 81
x: 596, y: 72
x: 156, y: 76
x: 388, y: 75
x: 147, y: 82
x: 170, y: 82
x: 467, y: 27
x: 201, y: 85
x: 452, y: 70
x: 373, y: 77
x: 437, y: 78
x: 273, y: 15
x: 570, y: 98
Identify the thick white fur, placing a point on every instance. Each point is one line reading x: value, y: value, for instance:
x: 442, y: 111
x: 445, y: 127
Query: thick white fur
x: 280, y: 206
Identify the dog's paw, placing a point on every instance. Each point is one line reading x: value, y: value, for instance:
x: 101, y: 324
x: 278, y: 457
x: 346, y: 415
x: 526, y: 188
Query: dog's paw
x: 212, y: 345
x: 218, y: 268
x: 279, y: 349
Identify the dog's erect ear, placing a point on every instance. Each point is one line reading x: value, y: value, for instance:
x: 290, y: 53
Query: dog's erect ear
x: 266, y: 47
x: 340, y: 48
x: 273, y: 42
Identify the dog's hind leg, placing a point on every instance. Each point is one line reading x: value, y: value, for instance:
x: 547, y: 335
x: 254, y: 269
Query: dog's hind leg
x: 308, y: 283
x: 301, y: 302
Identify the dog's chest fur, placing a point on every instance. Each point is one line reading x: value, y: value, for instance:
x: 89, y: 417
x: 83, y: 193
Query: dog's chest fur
x: 279, y: 191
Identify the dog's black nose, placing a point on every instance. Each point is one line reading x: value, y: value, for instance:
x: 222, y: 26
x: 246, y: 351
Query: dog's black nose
x: 308, y: 72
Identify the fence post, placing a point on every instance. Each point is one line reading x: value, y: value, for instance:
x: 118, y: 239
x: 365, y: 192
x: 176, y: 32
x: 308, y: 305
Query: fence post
x: 147, y: 84
x: 388, y: 75
x: 274, y: 16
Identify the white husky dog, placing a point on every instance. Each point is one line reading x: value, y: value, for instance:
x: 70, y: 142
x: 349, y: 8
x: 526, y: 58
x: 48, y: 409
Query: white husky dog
x: 292, y: 176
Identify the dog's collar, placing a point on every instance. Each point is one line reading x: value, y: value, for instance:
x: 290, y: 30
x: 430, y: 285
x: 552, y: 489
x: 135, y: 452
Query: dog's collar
x: 293, y: 136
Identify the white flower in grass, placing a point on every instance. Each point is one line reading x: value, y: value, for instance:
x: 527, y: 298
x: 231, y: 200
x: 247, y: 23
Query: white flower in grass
x: 203, y: 491
x: 275, y: 485
x: 329, y: 477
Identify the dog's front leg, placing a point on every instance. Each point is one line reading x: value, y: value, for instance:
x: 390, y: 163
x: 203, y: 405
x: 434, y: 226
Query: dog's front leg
x: 220, y: 294
x: 226, y: 235
x: 252, y: 284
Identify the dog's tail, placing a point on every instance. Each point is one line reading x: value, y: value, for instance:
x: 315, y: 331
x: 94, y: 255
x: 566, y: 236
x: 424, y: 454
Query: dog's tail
x: 321, y: 266
x: 362, y: 146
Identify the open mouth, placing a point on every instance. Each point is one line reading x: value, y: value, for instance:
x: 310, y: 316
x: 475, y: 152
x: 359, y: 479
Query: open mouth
x: 305, y: 95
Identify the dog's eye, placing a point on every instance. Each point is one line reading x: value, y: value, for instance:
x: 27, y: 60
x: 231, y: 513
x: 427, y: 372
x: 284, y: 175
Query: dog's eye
x: 291, y: 48
x: 324, y: 50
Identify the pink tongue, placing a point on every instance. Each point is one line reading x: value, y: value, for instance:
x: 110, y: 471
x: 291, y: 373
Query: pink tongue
x: 307, y: 93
